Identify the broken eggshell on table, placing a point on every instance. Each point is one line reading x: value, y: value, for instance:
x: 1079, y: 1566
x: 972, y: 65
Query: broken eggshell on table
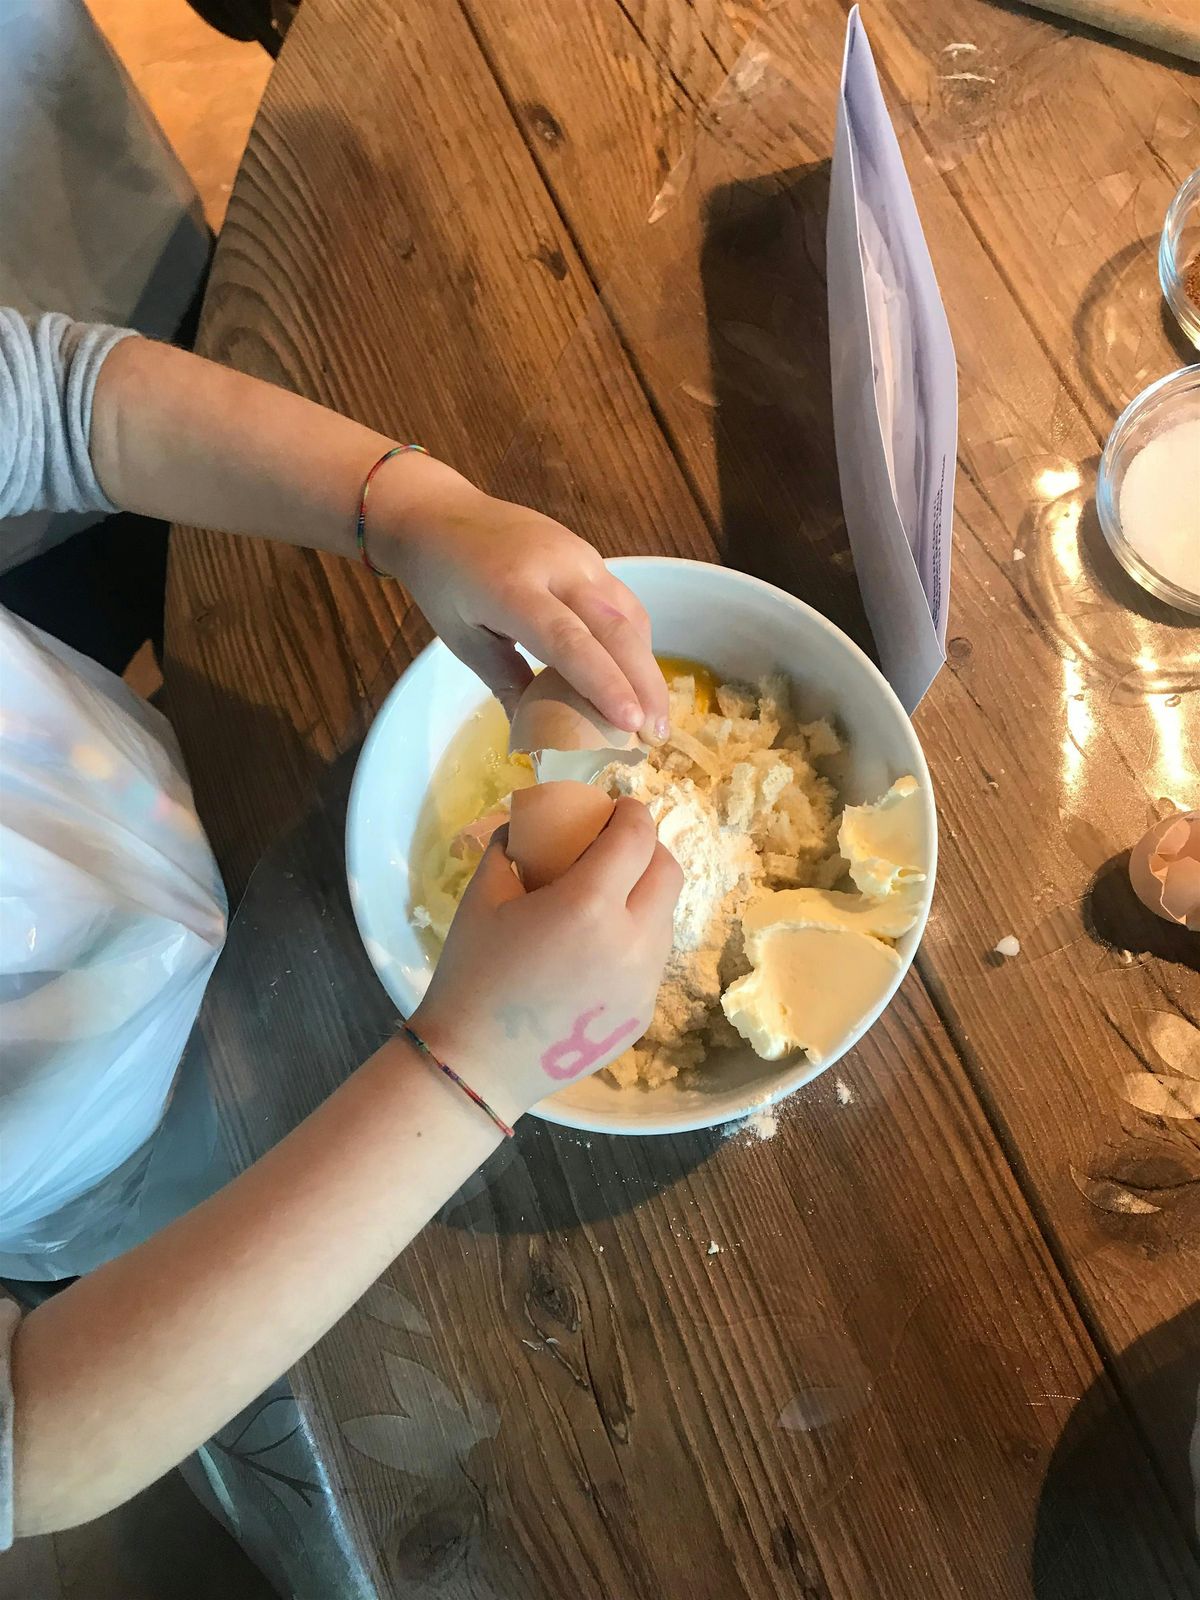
x: 1164, y: 869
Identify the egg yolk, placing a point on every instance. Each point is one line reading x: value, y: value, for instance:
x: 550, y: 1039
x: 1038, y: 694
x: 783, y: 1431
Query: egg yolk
x: 705, y: 678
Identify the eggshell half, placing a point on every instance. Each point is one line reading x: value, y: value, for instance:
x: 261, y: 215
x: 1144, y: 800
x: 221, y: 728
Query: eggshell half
x: 552, y: 716
x: 1164, y: 869
x: 551, y: 826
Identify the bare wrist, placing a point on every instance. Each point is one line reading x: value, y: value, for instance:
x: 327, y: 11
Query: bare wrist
x: 412, y: 494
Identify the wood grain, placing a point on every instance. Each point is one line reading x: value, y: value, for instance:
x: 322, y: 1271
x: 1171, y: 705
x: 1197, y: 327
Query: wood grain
x: 272, y: 649
x: 862, y: 1388
x: 895, y: 1276
x: 1074, y: 330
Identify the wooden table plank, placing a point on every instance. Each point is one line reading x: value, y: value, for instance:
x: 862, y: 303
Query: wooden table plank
x: 1107, y: 684
x: 1111, y: 692
x: 861, y: 1392
x: 865, y: 1498
x: 678, y: 284
x: 478, y: 287
x: 1034, y: 229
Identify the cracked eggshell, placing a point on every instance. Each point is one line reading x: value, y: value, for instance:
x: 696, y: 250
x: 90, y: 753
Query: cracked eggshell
x: 474, y: 839
x: 551, y: 826
x: 1164, y: 869
x: 550, y: 715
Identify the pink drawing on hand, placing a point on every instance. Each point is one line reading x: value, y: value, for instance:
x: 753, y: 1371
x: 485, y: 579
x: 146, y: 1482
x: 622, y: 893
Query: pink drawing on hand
x: 576, y: 1053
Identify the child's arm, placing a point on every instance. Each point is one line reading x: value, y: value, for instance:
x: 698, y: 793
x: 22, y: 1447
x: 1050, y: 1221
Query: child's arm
x: 124, y: 1373
x: 177, y: 437
x: 132, y: 1367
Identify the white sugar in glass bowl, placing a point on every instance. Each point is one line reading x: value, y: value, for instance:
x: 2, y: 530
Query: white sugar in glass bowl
x: 741, y: 628
x: 1149, y: 508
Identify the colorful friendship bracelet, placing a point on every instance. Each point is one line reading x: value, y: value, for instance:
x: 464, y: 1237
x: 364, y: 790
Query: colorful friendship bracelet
x: 360, y: 525
x: 416, y: 1039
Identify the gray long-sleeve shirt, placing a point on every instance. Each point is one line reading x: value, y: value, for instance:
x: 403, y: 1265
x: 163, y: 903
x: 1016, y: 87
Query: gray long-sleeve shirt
x: 48, y: 371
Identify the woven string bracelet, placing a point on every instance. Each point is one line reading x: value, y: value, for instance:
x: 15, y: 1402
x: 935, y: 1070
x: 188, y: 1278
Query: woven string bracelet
x: 360, y: 523
x: 415, y: 1038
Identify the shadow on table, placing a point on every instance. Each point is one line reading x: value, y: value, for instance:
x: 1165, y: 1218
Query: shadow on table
x: 1108, y: 314
x: 763, y: 271
x: 1115, y: 918
x: 1087, y: 1517
x: 278, y: 769
x: 1084, y: 598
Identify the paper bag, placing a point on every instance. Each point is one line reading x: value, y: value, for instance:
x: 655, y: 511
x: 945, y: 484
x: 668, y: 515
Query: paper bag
x: 895, y: 392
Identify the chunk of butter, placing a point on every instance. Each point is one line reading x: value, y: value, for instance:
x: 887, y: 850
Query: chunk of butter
x: 831, y: 909
x: 809, y: 988
x: 883, y: 842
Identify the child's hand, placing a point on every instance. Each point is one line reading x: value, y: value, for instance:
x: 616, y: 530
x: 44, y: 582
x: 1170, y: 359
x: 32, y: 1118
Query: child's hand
x: 535, y: 990
x: 487, y: 573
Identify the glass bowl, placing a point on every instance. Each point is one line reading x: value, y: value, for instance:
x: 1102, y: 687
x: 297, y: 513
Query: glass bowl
x: 1179, y: 251
x: 1171, y: 400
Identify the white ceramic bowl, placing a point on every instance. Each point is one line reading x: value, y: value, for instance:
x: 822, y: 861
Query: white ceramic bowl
x: 740, y: 627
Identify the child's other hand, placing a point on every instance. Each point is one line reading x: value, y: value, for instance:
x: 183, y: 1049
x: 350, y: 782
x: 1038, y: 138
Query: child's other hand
x: 489, y: 574
x: 536, y: 990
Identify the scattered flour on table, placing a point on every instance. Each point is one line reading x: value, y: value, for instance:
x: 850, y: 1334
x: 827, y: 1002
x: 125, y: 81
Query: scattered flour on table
x: 761, y: 1124
x: 845, y: 1094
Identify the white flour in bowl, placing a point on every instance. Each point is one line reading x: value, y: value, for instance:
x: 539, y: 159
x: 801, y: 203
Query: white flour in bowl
x: 739, y: 804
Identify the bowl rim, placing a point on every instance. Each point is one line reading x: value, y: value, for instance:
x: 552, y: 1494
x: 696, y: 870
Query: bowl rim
x: 1108, y: 510
x: 800, y: 1071
x: 1170, y: 268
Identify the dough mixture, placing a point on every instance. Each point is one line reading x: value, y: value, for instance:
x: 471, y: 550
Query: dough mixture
x: 791, y: 904
x: 740, y: 804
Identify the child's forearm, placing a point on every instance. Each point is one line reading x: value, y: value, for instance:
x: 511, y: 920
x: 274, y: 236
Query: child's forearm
x: 178, y: 437
x: 130, y: 1369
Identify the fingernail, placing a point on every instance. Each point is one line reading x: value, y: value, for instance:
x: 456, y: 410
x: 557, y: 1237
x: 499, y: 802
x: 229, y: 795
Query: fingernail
x: 631, y: 717
x: 662, y: 727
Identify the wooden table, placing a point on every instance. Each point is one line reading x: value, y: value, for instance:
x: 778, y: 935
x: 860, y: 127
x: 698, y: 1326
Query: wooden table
x: 949, y: 1345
